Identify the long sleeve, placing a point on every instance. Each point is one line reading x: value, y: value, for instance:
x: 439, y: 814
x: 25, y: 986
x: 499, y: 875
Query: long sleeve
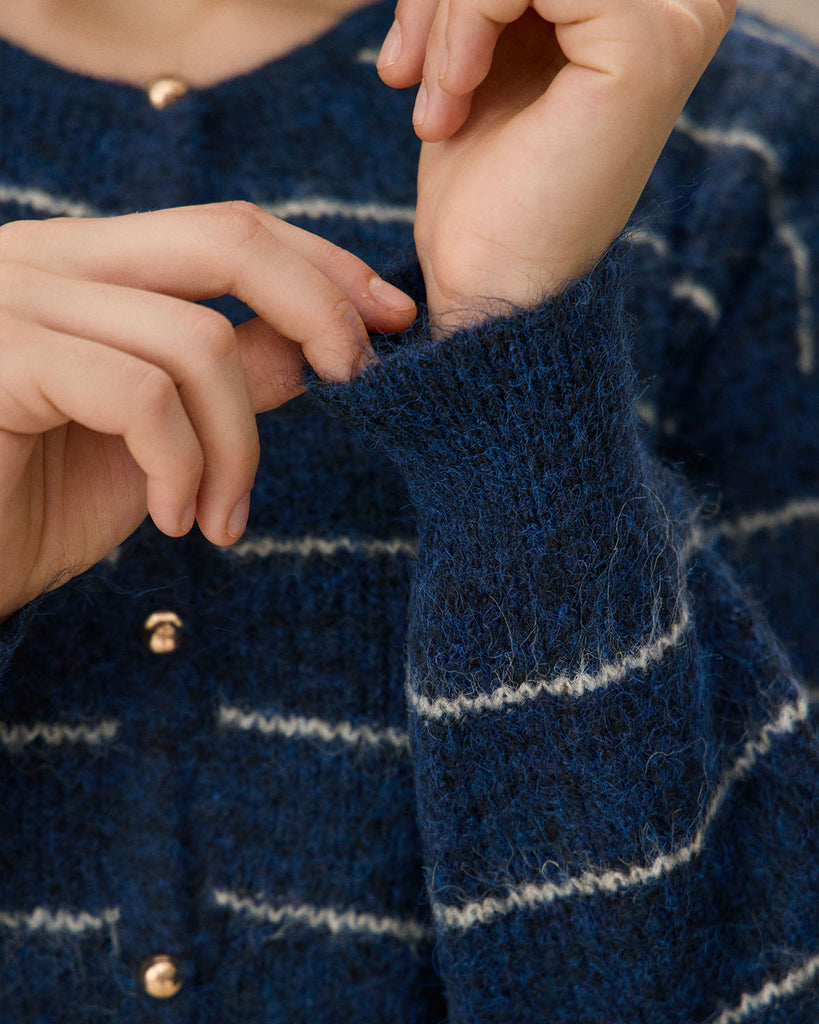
x: 483, y: 719
x: 614, y: 774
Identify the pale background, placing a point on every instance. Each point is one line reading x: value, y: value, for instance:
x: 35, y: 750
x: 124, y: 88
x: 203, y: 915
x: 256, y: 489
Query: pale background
x: 800, y: 15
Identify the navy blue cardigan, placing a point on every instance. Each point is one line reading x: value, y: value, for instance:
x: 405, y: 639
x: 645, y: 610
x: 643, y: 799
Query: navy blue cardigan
x: 498, y: 712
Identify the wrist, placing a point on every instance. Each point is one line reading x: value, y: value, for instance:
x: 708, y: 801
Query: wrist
x: 468, y: 295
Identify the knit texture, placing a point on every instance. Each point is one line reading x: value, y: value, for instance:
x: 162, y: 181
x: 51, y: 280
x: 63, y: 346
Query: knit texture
x: 497, y: 712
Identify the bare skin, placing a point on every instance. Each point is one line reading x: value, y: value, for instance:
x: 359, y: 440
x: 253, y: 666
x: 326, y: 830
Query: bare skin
x: 135, y: 41
x: 541, y: 123
x: 122, y: 396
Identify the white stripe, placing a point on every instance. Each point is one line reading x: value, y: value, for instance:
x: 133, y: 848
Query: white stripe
x: 42, y: 202
x: 60, y: 921
x: 326, y: 547
x: 700, y: 296
x: 369, y: 55
x: 639, y: 236
x: 316, y: 206
x: 54, y: 733
x: 754, y: 522
x: 337, y: 922
x: 684, y: 288
x: 769, y: 993
x: 800, y: 256
x: 574, y: 686
x: 310, y: 206
x: 770, y: 34
x: 296, y: 726
x: 802, y: 269
x: 648, y: 414
x: 529, y: 895
x: 111, y: 559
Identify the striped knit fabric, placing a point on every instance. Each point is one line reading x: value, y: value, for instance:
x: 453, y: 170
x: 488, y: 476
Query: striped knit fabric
x: 497, y: 713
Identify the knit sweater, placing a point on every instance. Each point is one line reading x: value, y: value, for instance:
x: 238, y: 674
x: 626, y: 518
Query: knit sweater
x: 496, y: 714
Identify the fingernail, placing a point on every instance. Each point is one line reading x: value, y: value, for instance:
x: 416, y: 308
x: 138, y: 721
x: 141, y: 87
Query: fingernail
x: 419, y: 113
x: 238, y: 518
x: 391, y: 50
x: 390, y: 296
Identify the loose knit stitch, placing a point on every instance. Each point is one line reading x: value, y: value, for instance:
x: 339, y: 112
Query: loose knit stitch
x: 498, y: 711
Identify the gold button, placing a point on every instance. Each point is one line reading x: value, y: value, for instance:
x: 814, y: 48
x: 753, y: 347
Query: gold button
x: 161, y: 977
x: 163, y: 630
x: 164, y: 91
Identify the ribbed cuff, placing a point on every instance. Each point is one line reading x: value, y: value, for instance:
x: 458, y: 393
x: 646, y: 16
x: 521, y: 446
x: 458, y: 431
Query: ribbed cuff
x: 543, y: 525
x: 499, y: 411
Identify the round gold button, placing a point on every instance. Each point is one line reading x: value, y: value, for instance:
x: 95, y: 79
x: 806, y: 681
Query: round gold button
x: 163, y: 631
x: 164, y: 91
x: 161, y: 977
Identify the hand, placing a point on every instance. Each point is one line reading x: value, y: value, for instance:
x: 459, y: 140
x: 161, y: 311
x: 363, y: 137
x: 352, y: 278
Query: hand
x: 119, y: 395
x: 541, y: 125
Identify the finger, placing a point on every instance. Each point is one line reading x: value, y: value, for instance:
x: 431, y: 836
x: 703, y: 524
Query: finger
x: 472, y: 30
x: 438, y: 114
x: 654, y: 46
x: 401, y: 60
x: 195, y: 346
x: 383, y: 307
x: 198, y: 252
x: 273, y: 365
x: 52, y: 378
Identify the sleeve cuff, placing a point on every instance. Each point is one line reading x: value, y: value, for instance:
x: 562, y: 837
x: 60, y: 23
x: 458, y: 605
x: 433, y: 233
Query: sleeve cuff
x: 504, y: 404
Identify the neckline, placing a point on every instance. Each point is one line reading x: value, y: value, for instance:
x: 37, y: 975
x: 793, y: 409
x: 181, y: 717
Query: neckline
x: 65, y: 81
